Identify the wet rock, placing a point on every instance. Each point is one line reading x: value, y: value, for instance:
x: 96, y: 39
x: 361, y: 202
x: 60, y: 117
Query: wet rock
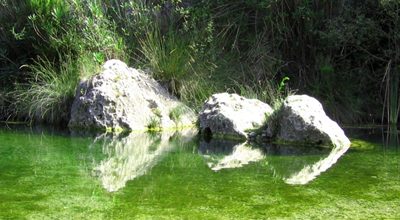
x: 123, y: 98
x: 232, y: 115
x: 252, y: 135
x: 302, y: 119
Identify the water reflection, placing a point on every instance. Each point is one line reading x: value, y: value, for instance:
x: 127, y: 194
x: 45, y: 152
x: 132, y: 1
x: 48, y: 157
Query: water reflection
x: 129, y: 156
x: 311, y: 171
x: 223, y: 155
x: 391, y: 139
x: 293, y: 164
x: 132, y: 155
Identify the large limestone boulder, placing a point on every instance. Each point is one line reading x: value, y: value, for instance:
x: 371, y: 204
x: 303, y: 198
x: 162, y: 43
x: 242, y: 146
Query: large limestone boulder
x: 232, y: 115
x: 123, y: 98
x: 302, y: 119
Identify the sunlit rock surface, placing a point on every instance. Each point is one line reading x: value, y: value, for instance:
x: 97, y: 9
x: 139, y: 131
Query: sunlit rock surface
x: 123, y: 98
x: 231, y: 114
x: 230, y: 156
x: 302, y: 119
x: 133, y: 155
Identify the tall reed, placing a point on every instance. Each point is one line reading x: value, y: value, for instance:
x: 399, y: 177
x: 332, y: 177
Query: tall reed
x: 168, y: 56
x: 48, y: 93
x: 391, y: 97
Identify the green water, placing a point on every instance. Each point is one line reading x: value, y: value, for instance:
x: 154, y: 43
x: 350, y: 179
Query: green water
x: 56, y: 175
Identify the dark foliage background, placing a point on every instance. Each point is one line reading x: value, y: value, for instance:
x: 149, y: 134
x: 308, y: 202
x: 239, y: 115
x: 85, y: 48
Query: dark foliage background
x: 344, y: 52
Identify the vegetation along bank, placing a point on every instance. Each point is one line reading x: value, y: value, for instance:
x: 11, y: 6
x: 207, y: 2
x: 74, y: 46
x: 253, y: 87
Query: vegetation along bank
x: 345, y: 53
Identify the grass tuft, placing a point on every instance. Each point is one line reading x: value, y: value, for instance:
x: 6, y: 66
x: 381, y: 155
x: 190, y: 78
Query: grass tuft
x: 168, y: 56
x: 154, y: 124
x: 48, y: 93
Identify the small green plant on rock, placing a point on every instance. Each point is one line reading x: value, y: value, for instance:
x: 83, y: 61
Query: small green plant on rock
x: 282, y: 84
x: 176, y: 113
x: 156, y: 112
x: 154, y: 124
x: 272, y: 121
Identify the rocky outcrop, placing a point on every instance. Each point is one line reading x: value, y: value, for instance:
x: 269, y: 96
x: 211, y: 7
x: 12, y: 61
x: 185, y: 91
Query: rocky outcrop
x: 232, y: 115
x: 302, y: 119
x: 123, y: 98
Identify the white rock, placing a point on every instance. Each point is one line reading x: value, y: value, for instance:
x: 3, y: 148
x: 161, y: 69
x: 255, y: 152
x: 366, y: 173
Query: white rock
x: 124, y: 98
x: 302, y: 119
x: 231, y: 114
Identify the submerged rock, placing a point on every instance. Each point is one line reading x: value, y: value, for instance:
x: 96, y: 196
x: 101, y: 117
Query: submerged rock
x: 123, y: 98
x: 301, y: 119
x: 232, y: 115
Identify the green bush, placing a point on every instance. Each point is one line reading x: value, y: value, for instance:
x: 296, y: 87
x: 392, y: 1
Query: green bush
x: 337, y: 51
x: 34, y: 33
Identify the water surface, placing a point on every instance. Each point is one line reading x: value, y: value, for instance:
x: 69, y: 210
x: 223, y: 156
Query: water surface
x: 45, y: 174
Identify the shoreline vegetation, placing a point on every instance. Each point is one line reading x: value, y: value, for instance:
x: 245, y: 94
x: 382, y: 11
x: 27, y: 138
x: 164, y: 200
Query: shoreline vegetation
x: 345, y: 53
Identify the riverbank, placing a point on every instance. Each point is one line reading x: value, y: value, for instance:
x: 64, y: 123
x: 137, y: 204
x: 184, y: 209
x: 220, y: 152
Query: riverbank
x: 199, y: 49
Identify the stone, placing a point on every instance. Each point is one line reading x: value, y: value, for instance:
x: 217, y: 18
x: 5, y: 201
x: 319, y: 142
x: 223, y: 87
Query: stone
x: 252, y: 135
x: 122, y: 98
x: 302, y: 119
x: 232, y: 115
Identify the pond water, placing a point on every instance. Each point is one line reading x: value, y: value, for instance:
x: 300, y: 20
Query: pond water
x: 48, y: 174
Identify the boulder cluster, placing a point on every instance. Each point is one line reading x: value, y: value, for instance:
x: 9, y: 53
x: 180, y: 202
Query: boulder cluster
x: 124, y: 98
x: 299, y: 119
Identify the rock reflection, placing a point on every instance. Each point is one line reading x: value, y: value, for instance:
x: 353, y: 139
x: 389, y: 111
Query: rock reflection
x: 132, y: 155
x: 310, y: 172
x: 293, y: 164
x: 229, y: 155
